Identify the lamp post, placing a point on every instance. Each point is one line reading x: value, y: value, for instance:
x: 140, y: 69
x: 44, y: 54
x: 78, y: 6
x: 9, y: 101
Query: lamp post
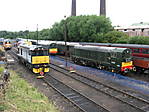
x: 27, y: 33
x: 37, y: 33
x: 65, y: 39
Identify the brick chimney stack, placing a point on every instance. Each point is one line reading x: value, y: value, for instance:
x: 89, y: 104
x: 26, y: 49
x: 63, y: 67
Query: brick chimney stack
x: 73, y: 9
x: 103, y: 7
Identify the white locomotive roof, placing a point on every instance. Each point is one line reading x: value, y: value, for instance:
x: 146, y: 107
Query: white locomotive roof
x: 97, y: 48
x: 68, y: 43
x: 44, y: 42
x: 30, y: 47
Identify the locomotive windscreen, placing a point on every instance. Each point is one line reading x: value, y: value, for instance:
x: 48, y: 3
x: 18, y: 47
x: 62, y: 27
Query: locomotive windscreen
x: 127, y: 55
x: 40, y: 52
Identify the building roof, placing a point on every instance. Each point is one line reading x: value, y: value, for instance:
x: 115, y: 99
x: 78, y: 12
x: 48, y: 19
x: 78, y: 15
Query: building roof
x: 141, y: 25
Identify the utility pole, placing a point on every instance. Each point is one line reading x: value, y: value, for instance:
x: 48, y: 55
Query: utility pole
x: 37, y: 34
x: 102, y: 7
x: 65, y: 39
x: 73, y: 8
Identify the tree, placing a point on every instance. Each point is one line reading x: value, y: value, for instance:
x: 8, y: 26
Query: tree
x: 138, y: 40
x: 114, y: 36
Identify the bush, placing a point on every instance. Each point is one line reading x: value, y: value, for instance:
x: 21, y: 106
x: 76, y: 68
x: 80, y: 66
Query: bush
x: 114, y: 36
x: 139, y: 40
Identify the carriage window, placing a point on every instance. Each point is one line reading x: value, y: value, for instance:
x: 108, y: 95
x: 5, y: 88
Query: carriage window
x: 136, y: 50
x: 145, y: 51
x: 133, y: 29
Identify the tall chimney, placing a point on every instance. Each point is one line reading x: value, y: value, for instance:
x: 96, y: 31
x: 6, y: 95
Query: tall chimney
x: 103, y: 7
x: 73, y: 9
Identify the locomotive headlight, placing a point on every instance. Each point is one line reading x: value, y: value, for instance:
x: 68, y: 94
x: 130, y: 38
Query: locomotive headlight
x: 118, y: 65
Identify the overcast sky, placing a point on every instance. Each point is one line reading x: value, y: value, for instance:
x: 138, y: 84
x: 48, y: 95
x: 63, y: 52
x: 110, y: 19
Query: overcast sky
x: 16, y: 15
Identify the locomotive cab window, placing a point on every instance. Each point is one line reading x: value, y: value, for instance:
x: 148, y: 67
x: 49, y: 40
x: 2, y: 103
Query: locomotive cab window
x: 40, y: 52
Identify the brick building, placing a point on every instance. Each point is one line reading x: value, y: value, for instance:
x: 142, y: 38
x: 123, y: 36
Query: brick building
x: 138, y: 29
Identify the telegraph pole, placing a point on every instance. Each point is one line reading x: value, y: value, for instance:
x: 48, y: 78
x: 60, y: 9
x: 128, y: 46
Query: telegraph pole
x: 65, y: 39
x: 102, y: 7
x: 73, y: 8
x: 37, y: 34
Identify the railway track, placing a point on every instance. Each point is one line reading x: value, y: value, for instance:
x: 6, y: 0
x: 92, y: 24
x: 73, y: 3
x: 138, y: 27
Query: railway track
x: 86, y: 104
x: 82, y: 102
x: 139, y: 103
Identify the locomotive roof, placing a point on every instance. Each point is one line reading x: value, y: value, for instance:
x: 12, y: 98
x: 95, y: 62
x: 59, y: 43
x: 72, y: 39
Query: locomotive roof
x: 103, y: 49
x: 88, y: 43
x: 30, y: 47
x: 68, y: 43
x: 130, y: 45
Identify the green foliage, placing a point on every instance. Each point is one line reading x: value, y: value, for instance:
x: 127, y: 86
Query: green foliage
x: 114, y: 36
x: 123, y: 40
x: 2, y: 107
x: 87, y: 28
x: 1, y: 69
x: 81, y: 28
x: 78, y: 28
x: 21, y: 97
x: 138, y: 40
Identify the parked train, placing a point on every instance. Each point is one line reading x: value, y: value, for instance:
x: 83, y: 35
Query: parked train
x: 35, y: 57
x: 113, y: 59
x: 140, y: 54
x: 7, y: 44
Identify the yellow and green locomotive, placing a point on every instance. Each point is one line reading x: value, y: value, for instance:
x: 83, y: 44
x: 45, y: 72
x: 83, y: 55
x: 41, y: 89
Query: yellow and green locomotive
x: 113, y: 59
x: 35, y: 58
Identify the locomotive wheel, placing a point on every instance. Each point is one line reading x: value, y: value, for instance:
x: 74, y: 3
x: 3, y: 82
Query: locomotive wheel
x: 139, y: 70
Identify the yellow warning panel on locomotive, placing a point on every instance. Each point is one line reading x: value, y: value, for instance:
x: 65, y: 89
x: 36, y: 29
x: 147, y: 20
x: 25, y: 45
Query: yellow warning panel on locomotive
x: 40, y: 59
x: 126, y: 63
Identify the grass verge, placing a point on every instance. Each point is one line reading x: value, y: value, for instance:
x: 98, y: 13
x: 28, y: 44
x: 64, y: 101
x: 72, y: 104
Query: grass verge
x: 22, y: 97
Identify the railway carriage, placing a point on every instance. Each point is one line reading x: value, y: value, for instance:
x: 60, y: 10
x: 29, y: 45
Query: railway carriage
x: 109, y: 58
x: 140, y: 55
x: 35, y: 58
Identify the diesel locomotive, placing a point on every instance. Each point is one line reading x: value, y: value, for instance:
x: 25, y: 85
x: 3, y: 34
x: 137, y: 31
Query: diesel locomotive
x: 140, y: 54
x: 35, y: 57
x: 7, y: 44
x: 113, y: 59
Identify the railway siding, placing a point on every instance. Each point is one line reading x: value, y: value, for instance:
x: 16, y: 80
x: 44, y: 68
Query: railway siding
x: 122, y: 96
